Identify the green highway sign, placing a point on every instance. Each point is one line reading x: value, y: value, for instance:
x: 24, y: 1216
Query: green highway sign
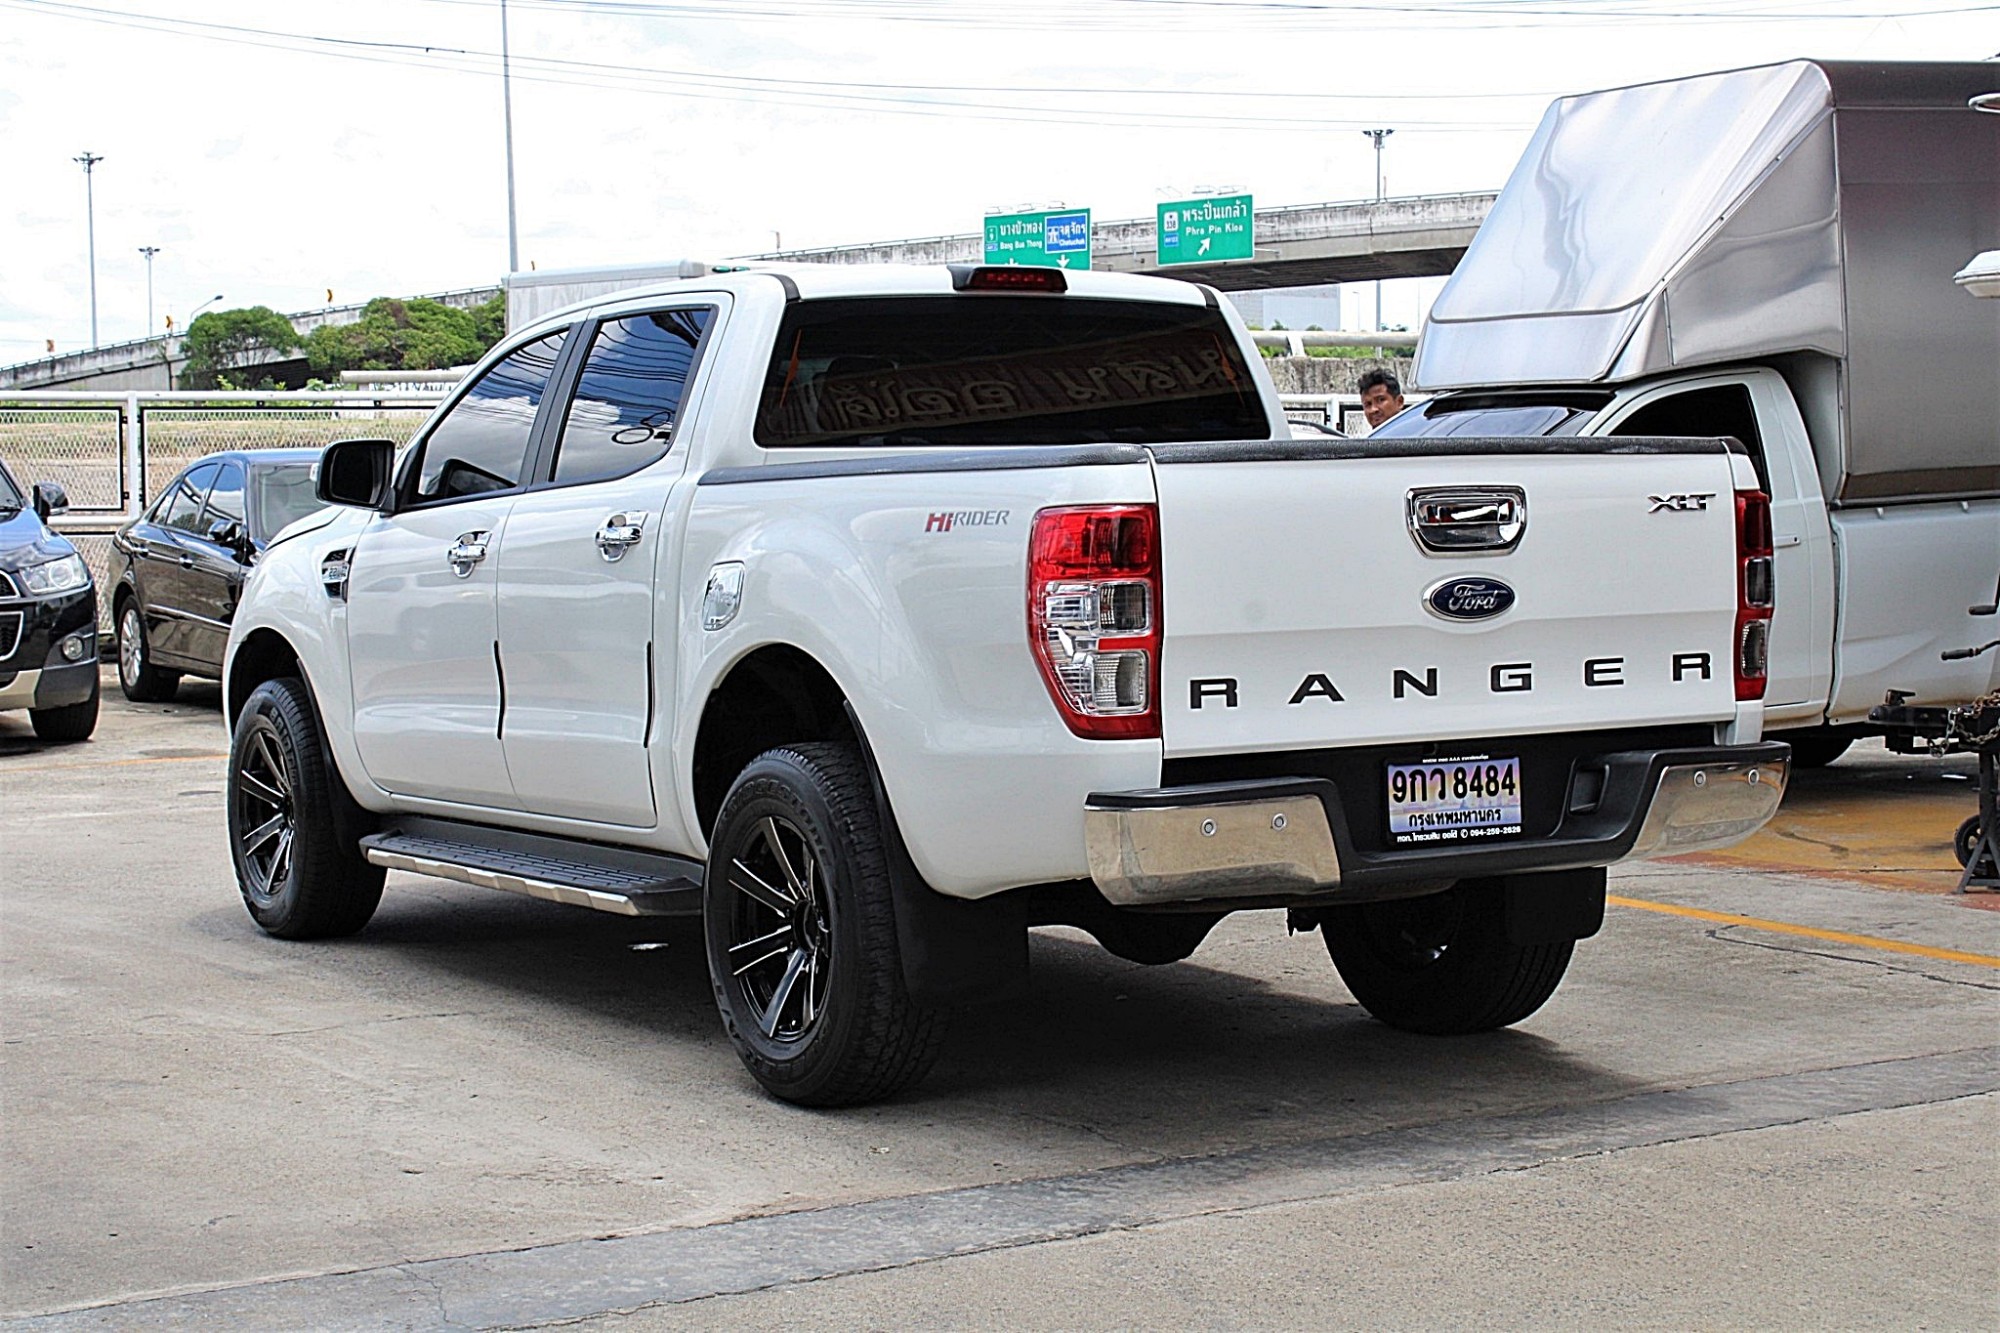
x: 1200, y: 231
x: 1055, y: 239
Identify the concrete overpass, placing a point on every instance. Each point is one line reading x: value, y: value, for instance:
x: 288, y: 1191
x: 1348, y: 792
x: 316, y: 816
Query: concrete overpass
x: 1300, y: 246
x: 155, y: 363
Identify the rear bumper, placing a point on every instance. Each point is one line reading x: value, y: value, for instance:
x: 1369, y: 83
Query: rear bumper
x: 1290, y: 838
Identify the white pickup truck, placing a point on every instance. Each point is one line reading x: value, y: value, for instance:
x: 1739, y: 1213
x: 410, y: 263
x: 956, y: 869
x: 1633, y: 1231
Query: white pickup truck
x: 877, y: 615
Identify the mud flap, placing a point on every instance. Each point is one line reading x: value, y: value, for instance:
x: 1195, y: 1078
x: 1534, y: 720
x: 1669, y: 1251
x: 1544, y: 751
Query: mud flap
x: 1554, y: 906
x: 955, y: 950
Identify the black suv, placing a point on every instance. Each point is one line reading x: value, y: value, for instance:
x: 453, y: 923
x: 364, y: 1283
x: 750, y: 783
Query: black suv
x: 48, y: 616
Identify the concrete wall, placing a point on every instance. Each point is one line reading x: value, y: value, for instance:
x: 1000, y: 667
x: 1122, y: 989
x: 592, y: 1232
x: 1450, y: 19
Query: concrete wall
x: 1330, y: 374
x: 144, y: 364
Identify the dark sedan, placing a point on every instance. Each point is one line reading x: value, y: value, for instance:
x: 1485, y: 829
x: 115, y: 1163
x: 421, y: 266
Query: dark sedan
x: 181, y: 565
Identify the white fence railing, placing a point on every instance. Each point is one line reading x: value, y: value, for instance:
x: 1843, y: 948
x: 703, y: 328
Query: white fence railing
x: 112, y: 452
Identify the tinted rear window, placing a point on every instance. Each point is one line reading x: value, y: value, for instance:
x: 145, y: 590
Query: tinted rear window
x: 978, y: 370
x: 1443, y: 416
x: 281, y: 494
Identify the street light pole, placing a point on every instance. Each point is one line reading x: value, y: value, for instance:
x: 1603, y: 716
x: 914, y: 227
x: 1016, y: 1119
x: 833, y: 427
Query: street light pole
x: 149, y: 251
x: 1378, y: 136
x: 89, y: 160
x: 197, y: 310
x: 507, y: 112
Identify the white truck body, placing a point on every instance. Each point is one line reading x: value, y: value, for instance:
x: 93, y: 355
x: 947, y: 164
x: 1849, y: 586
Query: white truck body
x: 1770, y: 253
x: 588, y: 665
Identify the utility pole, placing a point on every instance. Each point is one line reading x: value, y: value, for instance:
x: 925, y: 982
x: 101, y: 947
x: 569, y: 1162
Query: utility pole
x: 507, y: 111
x: 89, y: 160
x: 149, y: 251
x: 1378, y: 136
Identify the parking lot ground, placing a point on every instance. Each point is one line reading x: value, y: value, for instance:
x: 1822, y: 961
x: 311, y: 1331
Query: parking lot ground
x: 487, y: 1111
x: 1871, y: 817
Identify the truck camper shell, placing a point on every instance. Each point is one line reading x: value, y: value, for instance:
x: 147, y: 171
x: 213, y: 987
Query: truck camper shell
x: 1811, y: 215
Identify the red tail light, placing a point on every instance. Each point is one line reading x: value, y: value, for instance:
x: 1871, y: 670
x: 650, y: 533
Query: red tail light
x: 1094, y: 616
x: 1756, y: 593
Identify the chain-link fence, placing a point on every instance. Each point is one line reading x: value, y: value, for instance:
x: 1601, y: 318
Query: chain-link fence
x: 113, y: 453
x: 172, y: 435
x: 81, y: 449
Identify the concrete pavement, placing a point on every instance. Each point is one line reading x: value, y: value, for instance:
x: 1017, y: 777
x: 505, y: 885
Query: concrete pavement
x: 489, y: 1111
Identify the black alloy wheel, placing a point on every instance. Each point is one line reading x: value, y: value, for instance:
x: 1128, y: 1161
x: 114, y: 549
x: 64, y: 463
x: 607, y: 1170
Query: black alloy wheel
x: 299, y: 876
x: 261, y: 805
x: 141, y: 681
x: 801, y: 933
x: 781, y: 931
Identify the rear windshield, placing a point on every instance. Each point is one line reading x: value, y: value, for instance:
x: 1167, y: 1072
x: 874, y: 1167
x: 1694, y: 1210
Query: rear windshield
x: 281, y: 494
x: 979, y: 370
x: 1491, y: 415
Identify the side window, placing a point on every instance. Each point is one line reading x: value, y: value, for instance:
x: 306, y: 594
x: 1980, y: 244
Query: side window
x: 481, y: 445
x: 629, y: 395
x: 1720, y: 409
x: 225, y: 498
x: 182, y: 507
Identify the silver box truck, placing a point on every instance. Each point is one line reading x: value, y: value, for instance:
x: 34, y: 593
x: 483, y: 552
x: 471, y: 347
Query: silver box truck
x: 1769, y: 254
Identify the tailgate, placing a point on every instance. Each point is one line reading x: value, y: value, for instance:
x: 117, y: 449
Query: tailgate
x: 1301, y: 610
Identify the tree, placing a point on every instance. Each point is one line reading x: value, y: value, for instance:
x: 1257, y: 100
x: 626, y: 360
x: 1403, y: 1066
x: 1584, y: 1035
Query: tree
x: 225, y: 340
x: 395, y: 334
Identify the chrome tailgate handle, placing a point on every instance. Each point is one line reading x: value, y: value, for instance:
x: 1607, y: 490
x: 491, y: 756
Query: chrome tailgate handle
x: 467, y: 551
x: 1454, y: 520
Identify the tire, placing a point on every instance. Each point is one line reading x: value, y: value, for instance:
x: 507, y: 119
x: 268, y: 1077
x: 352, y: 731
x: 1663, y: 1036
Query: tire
x: 72, y: 722
x: 298, y: 877
x: 1442, y: 964
x: 1965, y: 840
x: 142, y: 682
x: 801, y: 933
x: 1815, y: 748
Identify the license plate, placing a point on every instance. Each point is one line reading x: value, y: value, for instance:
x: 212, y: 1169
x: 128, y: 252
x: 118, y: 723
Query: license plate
x: 1454, y: 800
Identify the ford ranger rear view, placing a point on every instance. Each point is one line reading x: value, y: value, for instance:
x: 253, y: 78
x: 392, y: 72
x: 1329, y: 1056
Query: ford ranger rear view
x: 878, y: 615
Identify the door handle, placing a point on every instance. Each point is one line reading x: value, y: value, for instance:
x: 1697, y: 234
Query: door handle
x: 620, y: 533
x: 1786, y: 541
x: 467, y: 551
x: 186, y: 561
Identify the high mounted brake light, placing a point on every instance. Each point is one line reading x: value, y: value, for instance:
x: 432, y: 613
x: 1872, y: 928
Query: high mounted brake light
x: 1756, y: 593
x: 1007, y: 278
x: 1094, y: 617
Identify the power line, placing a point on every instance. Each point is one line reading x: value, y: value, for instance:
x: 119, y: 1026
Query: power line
x: 881, y: 98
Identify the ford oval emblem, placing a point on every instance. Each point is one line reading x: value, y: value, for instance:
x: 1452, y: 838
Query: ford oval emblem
x: 1473, y: 597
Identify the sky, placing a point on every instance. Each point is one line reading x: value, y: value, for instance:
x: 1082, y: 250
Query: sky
x: 279, y: 152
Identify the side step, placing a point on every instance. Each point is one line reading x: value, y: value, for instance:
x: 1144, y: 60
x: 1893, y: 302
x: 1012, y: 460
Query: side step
x: 562, y: 870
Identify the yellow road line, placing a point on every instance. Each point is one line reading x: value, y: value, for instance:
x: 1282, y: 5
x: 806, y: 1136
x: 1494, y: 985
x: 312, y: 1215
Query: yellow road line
x: 1810, y: 932
x: 113, y: 763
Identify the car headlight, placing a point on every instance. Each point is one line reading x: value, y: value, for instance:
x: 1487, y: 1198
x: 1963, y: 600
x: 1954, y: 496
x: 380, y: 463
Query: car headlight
x: 65, y: 574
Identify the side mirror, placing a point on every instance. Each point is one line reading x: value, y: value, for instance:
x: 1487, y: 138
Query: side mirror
x: 228, y: 532
x: 357, y: 473
x: 50, y: 500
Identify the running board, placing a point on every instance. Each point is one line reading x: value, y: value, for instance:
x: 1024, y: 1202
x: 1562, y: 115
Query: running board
x: 561, y: 870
